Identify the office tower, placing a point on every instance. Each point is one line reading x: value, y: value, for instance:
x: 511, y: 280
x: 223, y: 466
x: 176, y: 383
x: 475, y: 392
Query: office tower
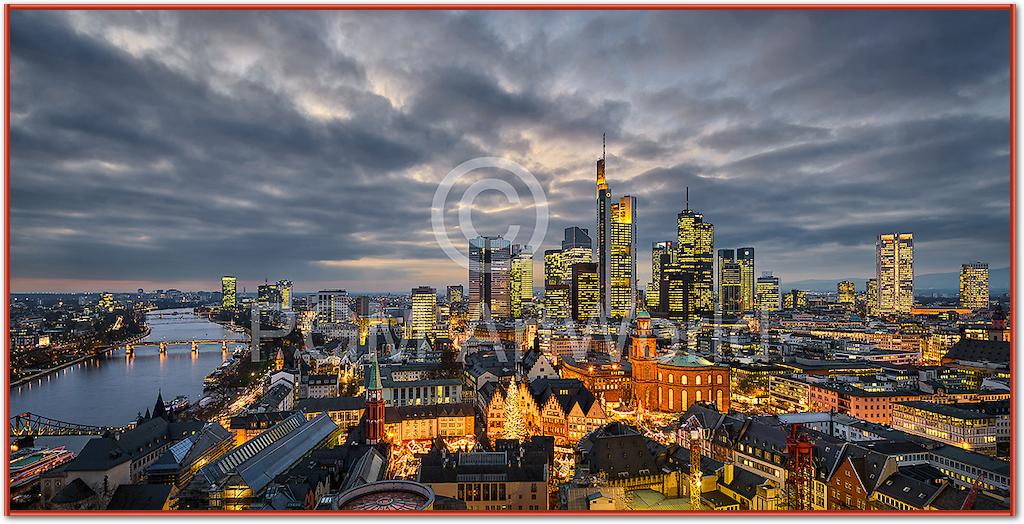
x: 556, y: 301
x: 106, y: 302
x: 455, y: 294
x: 894, y: 270
x: 794, y: 299
x: 577, y: 237
x: 847, y: 293
x: 661, y: 253
x: 871, y: 296
x: 623, y: 258
x: 489, y: 265
x: 730, y: 289
x: 695, y: 256
x: 767, y: 292
x: 284, y: 288
x: 424, y: 312
x: 332, y: 306
x: 584, y: 293
x: 268, y: 296
x: 748, y: 293
x: 520, y: 281
x: 603, y: 249
x: 675, y: 290
x: 228, y: 291
x: 974, y: 285
x: 362, y: 306
x: 553, y: 272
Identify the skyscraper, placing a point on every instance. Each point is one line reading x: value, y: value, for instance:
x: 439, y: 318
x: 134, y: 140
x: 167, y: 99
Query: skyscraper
x: 674, y: 290
x: 730, y: 289
x: 894, y: 270
x: 489, y: 265
x: 268, y: 296
x: 362, y: 306
x: 284, y: 289
x: 584, y: 292
x: 768, y: 292
x: 974, y: 285
x: 661, y: 253
x: 455, y: 294
x: 576, y: 248
x: 871, y: 297
x: 603, y: 249
x: 520, y: 281
x: 424, y: 312
x: 748, y: 293
x: 695, y: 257
x: 623, y: 258
x: 847, y: 293
x: 228, y: 291
x: 332, y: 306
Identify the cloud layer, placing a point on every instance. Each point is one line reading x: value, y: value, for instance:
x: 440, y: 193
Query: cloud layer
x: 166, y: 148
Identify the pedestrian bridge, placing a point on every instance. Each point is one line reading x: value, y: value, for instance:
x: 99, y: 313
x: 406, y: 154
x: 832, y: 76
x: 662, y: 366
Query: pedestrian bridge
x: 195, y: 343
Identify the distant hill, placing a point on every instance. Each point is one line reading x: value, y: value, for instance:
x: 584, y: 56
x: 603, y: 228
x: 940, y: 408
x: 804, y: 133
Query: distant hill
x: 998, y: 281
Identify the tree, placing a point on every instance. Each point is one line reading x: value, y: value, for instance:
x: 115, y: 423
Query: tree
x: 513, y: 413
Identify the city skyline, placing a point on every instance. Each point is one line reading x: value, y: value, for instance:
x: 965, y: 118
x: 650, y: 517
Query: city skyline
x: 803, y: 146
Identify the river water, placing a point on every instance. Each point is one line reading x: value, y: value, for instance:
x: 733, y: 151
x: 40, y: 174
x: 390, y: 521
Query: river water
x: 113, y: 389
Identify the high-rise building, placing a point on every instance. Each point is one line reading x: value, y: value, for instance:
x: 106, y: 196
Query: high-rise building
x: 577, y: 237
x: 284, y: 288
x: 455, y: 294
x: 268, y: 296
x: 675, y: 290
x: 661, y: 254
x: 603, y: 249
x: 332, y: 306
x: 974, y: 285
x: 767, y: 292
x: 871, y: 297
x: 847, y: 293
x: 556, y: 301
x: 424, y: 312
x: 794, y: 298
x: 362, y: 306
x: 623, y: 258
x: 489, y: 265
x: 228, y: 291
x: 576, y: 248
x: 106, y: 302
x: 748, y: 291
x: 730, y: 289
x: 553, y: 272
x: 894, y: 270
x: 520, y: 281
x: 695, y: 256
x: 584, y: 292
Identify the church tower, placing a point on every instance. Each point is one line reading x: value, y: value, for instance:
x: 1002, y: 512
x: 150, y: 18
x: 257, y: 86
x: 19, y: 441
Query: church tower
x: 374, y: 403
x: 642, y: 352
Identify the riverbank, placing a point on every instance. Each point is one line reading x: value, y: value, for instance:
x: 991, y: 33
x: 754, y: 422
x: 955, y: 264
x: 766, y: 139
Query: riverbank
x: 103, y: 351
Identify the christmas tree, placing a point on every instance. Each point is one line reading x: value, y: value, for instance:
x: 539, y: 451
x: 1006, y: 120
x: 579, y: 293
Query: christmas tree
x: 513, y: 414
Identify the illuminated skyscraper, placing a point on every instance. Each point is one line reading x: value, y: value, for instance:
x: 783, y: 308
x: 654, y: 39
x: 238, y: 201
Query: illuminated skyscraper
x: 847, y: 293
x: 489, y: 265
x: 794, y: 299
x: 730, y: 289
x: 228, y: 291
x: 675, y: 290
x: 455, y: 295
x: 556, y: 301
x: 106, y: 302
x: 748, y: 293
x: 974, y: 285
x: 695, y: 256
x: 424, y: 312
x: 894, y: 270
x: 584, y: 292
x: 576, y: 248
x: 553, y: 273
x: 520, y: 280
x: 268, y: 296
x: 284, y: 288
x: 768, y: 292
x: 871, y: 296
x: 661, y: 253
x: 603, y: 249
x: 623, y: 258
x: 332, y: 306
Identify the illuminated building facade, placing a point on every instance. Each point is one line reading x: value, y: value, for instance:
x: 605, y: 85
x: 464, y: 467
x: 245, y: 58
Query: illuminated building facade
x: 894, y: 271
x: 424, y: 312
x: 661, y: 254
x: 584, y: 293
x: 794, y: 298
x: 455, y: 294
x: 576, y: 249
x: 674, y: 290
x: 871, y: 296
x: 489, y: 265
x: 602, y: 249
x: 228, y: 291
x: 520, y: 281
x: 730, y: 282
x: 748, y: 289
x: 332, y: 306
x: 623, y: 258
x: 767, y: 292
x: 284, y: 288
x: 268, y: 296
x: 695, y: 256
x: 106, y: 302
x: 974, y: 285
x: 847, y: 293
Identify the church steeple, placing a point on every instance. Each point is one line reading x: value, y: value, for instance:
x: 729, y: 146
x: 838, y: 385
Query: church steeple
x: 159, y: 410
x: 374, y: 402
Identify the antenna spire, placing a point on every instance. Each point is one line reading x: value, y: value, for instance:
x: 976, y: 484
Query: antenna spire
x: 602, y: 145
x: 687, y: 198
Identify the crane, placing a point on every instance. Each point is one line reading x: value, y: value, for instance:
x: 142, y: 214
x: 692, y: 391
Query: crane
x: 695, y: 434
x: 972, y: 495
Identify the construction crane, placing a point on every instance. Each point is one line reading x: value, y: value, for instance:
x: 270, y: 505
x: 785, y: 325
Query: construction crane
x: 694, y: 431
x: 799, y: 489
x: 972, y: 495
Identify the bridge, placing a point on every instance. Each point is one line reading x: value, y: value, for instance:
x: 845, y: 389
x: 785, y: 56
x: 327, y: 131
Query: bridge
x: 195, y: 343
x: 26, y: 427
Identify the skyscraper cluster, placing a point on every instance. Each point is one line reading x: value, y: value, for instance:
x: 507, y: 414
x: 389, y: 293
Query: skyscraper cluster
x: 500, y: 278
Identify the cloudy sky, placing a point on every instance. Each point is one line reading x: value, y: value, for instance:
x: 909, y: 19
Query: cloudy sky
x: 164, y: 149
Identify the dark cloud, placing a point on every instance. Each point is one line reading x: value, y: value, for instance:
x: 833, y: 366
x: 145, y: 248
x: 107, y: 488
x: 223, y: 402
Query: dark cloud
x: 170, y: 147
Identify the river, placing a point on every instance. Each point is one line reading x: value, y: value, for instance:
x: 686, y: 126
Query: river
x: 112, y: 389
